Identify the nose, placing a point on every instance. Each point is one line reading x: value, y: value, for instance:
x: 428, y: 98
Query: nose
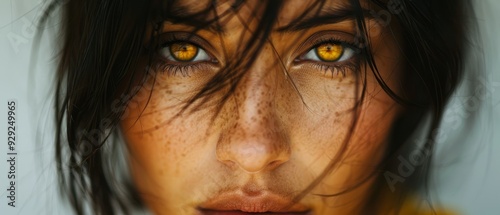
x: 253, y: 146
x: 256, y: 139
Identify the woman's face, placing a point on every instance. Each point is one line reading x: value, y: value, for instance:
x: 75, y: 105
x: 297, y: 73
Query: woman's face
x: 278, y: 131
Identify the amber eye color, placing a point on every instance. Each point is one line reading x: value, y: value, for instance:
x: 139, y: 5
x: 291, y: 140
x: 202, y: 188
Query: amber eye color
x: 183, y: 51
x: 329, y: 52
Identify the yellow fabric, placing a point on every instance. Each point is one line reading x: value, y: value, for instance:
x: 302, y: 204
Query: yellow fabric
x: 410, y: 206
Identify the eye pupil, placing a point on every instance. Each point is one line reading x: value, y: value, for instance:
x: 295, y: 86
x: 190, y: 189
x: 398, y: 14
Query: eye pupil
x: 183, y: 51
x: 329, y: 52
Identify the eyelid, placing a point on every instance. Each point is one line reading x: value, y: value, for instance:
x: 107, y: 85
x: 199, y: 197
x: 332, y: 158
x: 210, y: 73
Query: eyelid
x: 200, y: 53
x: 179, y: 68
x: 321, y: 37
x: 165, y: 39
x: 324, y: 37
x: 181, y: 36
x: 348, y: 63
x: 347, y: 54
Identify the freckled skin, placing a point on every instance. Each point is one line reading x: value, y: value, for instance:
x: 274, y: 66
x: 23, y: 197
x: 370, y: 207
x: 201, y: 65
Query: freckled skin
x: 266, y: 136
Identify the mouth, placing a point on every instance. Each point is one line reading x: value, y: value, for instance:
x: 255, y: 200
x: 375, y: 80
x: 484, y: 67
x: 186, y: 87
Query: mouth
x: 237, y: 203
x: 236, y: 212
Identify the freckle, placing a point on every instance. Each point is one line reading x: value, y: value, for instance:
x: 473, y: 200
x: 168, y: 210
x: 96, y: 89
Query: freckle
x: 166, y: 148
x: 156, y: 126
x: 337, y: 114
x: 338, y: 87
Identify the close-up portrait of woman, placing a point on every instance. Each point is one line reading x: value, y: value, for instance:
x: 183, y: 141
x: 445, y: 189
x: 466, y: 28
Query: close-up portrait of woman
x: 240, y: 107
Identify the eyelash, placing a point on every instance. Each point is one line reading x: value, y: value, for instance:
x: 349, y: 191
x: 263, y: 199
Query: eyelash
x: 335, y: 68
x: 184, y: 70
x: 177, y: 68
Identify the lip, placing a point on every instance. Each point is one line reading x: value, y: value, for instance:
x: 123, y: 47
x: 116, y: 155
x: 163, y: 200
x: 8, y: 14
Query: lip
x: 237, y: 203
x: 214, y: 212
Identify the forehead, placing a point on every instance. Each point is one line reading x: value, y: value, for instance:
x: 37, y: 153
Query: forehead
x: 288, y: 12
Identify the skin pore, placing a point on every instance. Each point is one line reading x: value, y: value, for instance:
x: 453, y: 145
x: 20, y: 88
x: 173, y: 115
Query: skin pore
x: 271, y: 136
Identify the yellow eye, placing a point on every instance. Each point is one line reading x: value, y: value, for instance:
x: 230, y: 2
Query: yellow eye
x: 329, y: 52
x: 183, y: 51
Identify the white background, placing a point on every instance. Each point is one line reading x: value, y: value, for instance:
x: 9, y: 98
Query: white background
x: 467, y: 171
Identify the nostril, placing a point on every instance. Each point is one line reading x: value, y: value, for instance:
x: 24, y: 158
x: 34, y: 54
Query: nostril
x: 231, y: 164
x: 274, y: 164
x: 251, y: 156
x: 251, y: 146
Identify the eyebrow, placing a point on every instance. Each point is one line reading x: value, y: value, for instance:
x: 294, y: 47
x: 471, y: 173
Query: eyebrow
x: 326, y: 16
x: 199, y: 20
x: 198, y: 24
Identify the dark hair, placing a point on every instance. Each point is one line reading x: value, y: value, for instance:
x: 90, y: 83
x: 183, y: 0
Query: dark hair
x: 103, y: 56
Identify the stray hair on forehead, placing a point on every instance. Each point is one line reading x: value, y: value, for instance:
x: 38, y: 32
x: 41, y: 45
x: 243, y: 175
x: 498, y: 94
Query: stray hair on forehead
x: 103, y: 55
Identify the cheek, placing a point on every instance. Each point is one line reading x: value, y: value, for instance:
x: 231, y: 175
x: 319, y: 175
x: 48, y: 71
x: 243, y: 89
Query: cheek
x: 156, y: 131
x: 351, y: 156
x: 325, y: 138
x: 162, y: 147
